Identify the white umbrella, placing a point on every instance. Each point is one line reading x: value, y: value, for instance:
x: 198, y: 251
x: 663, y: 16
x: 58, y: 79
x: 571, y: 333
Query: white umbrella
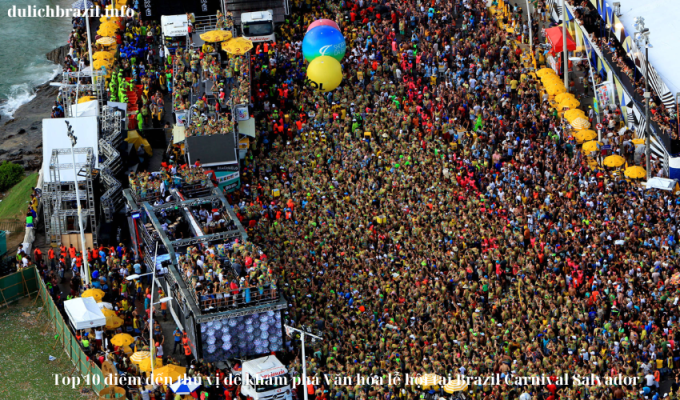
x: 82, y: 5
x: 185, y: 386
x: 105, y: 305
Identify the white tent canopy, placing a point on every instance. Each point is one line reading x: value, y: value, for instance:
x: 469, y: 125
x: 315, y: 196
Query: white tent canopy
x: 84, y: 313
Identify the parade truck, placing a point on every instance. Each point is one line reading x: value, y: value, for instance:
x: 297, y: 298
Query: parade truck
x: 257, y: 19
x: 175, y: 29
x: 265, y: 378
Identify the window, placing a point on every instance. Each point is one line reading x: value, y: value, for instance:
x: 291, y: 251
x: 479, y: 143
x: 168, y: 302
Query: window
x: 258, y: 28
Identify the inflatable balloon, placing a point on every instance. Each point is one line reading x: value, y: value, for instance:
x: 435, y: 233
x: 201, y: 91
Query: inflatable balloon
x: 323, y: 41
x: 323, y: 22
x: 324, y: 73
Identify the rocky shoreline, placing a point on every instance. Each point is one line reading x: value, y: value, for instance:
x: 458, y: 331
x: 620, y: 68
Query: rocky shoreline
x: 21, y: 136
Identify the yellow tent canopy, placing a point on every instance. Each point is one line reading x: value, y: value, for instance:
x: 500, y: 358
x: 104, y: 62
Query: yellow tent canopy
x: 614, y: 161
x: 238, y: 46
x: 216, y: 36
x: 135, y: 139
x: 635, y: 172
x: 96, y: 294
x: 591, y: 146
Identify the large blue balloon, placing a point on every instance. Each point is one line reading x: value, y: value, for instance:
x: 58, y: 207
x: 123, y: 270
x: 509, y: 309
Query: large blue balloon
x: 323, y: 41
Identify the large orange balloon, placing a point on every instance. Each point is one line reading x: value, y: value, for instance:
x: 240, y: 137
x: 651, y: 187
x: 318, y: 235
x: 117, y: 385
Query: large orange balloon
x: 324, y: 73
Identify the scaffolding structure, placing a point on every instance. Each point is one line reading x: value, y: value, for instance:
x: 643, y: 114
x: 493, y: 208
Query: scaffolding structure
x: 71, y: 89
x: 59, y: 196
x: 111, y: 163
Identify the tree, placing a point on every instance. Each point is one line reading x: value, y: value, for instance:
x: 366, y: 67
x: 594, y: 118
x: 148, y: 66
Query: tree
x: 10, y: 174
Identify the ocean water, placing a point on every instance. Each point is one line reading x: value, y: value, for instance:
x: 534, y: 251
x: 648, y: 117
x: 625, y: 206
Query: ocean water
x: 23, y: 64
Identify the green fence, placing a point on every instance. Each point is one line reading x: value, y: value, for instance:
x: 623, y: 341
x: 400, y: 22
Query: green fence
x: 91, y: 373
x: 17, y: 285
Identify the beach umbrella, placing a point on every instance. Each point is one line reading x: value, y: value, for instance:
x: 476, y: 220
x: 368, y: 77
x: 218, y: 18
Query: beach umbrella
x: 238, y: 46
x: 99, y: 64
x: 455, y: 385
x: 560, y: 97
x: 591, y: 146
x: 82, y: 5
x: 428, y: 381
x: 103, y: 55
x: 107, y: 31
x: 184, y: 386
x: 138, y: 356
x: 145, y: 364
x: 109, y: 25
x: 580, y: 123
x: 216, y: 36
x: 638, y: 141
x: 106, y: 41
x: 545, y: 71
x: 113, y: 322
x: 96, y: 294
x: 573, y: 114
x: 614, y: 161
x: 553, y: 80
x: 569, y: 103
x: 635, y: 172
x: 122, y: 339
x: 555, y: 89
x: 584, y: 135
x: 168, y: 373
x: 108, y: 313
x: 105, y: 18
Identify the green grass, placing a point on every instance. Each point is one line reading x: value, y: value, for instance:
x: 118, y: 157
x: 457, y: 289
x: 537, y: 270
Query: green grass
x: 14, y: 204
x: 26, y: 345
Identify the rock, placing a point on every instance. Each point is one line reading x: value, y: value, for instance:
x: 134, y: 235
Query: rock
x: 18, y: 161
x: 25, y: 314
x: 32, y: 312
x: 34, y: 164
x: 16, y: 152
x: 34, y: 128
x: 21, y: 131
x: 58, y: 55
x: 3, y: 151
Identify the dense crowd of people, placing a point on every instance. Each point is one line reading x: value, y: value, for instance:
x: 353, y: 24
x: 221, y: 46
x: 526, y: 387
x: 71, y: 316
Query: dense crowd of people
x: 423, y: 241
x: 157, y: 185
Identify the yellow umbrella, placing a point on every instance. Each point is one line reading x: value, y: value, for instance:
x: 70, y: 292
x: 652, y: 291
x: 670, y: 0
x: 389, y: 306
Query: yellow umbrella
x: 145, y: 364
x: 580, y: 123
x: 99, y: 64
x: 635, y: 172
x: 109, y: 25
x: 106, y: 41
x: 553, y: 80
x: 103, y: 55
x: 584, y: 135
x: 614, y: 161
x: 545, y: 71
x: 108, y: 313
x: 104, y: 18
x: 167, y: 374
x: 455, y: 385
x: 638, y: 141
x: 136, y: 140
x: 573, y: 114
x: 122, y: 339
x: 97, y: 294
x: 216, y: 36
x: 560, y: 97
x: 107, y: 31
x: 113, y: 322
x: 238, y: 46
x: 139, y: 356
x: 590, y: 146
x: 569, y: 103
x: 428, y: 381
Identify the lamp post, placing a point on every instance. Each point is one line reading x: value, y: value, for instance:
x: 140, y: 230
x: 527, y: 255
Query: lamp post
x: 531, y: 39
x: 151, y: 305
x: 642, y: 40
x: 86, y: 266
x: 304, y: 363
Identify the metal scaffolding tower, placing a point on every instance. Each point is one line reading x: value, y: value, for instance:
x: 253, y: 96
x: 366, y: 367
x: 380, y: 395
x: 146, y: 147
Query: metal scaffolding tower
x: 111, y: 163
x: 71, y: 89
x: 59, y: 196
